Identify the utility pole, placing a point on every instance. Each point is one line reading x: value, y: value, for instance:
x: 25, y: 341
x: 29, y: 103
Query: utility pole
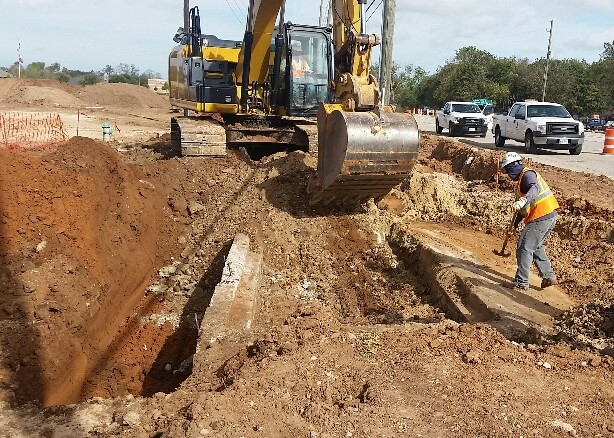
x: 186, y: 30
x: 321, y: 10
x: 19, y: 60
x: 547, y: 61
x: 385, y: 72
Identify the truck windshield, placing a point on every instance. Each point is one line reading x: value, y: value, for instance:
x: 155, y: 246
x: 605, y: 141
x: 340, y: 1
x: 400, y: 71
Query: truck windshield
x: 465, y: 108
x: 548, y: 111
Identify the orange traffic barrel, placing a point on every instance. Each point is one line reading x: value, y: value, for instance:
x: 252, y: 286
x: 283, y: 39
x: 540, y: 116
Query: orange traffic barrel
x: 608, y: 142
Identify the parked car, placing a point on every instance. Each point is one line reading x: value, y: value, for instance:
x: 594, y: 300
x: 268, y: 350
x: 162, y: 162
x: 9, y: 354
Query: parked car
x: 488, y: 111
x: 594, y: 125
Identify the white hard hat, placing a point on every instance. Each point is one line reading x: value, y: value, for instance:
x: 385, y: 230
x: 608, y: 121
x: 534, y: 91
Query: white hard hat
x: 296, y: 46
x: 510, y: 157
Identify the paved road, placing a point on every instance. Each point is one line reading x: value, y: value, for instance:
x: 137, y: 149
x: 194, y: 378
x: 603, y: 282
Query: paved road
x: 590, y: 160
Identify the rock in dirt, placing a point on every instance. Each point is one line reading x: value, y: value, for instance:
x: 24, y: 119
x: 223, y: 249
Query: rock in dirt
x: 472, y: 356
x: 132, y: 419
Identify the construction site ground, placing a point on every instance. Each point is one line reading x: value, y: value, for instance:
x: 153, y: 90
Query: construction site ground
x: 145, y: 294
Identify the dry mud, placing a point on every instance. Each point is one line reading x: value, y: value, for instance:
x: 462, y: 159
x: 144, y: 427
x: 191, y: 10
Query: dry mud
x: 110, y: 258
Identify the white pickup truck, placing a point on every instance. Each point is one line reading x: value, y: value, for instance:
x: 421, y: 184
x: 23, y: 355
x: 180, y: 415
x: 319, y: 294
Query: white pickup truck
x: 461, y: 118
x: 539, y: 125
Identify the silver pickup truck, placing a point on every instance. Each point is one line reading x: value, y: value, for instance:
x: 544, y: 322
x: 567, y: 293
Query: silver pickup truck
x: 539, y: 125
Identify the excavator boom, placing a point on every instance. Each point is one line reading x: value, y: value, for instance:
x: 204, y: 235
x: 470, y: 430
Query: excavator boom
x: 364, y: 149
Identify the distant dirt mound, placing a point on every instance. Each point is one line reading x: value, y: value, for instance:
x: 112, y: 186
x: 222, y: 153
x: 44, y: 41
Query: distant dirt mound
x: 473, y: 164
x: 54, y: 94
x: 124, y: 95
x: 41, y: 93
x: 451, y: 156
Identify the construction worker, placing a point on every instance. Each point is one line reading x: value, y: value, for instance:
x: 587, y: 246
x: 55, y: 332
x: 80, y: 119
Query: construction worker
x: 300, y: 67
x: 536, y: 204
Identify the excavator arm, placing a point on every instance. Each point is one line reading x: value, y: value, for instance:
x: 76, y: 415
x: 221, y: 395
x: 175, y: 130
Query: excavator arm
x: 255, y: 55
x: 364, y: 148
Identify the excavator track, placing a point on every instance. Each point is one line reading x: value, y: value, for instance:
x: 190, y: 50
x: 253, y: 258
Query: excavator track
x: 362, y: 154
x: 198, y: 136
x: 258, y: 135
x: 268, y: 133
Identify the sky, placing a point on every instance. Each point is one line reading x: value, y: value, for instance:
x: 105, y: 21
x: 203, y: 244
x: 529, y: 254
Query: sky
x: 87, y: 35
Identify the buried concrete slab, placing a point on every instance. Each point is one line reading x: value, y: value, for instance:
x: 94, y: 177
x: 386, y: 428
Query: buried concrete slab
x: 466, y: 280
x: 232, y: 308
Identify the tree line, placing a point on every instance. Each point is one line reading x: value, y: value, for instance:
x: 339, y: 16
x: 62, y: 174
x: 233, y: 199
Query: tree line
x: 583, y: 88
x: 121, y: 73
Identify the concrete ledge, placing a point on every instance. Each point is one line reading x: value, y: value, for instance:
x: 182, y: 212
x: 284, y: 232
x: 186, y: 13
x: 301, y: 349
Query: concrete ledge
x: 231, y: 311
x: 470, y: 290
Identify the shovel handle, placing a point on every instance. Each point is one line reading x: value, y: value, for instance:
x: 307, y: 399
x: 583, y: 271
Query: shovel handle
x: 507, y: 233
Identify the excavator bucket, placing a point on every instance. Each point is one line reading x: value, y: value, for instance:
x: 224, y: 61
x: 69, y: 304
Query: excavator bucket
x: 362, y: 154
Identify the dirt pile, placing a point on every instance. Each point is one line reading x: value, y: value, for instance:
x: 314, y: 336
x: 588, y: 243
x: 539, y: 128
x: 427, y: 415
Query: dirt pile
x: 110, y: 259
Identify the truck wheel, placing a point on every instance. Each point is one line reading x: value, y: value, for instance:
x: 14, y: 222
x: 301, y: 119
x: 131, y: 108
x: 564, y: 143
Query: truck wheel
x: 529, y: 144
x: 451, y: 130
x: 499, y: 140
x: 576, y: 150
x: 438, y: 128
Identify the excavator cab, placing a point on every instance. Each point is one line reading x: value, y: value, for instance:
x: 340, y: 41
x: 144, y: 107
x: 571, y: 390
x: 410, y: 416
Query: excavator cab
x: 307, y: 68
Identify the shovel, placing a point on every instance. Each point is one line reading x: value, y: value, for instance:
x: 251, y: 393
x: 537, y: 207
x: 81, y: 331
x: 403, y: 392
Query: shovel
x: 502, y: 253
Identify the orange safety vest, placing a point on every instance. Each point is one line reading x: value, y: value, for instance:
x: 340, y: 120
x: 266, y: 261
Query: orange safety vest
x: 299, y: 67
x: 543, y: 204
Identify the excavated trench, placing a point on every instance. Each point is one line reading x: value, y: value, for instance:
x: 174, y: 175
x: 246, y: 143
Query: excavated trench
x: 402, y: 261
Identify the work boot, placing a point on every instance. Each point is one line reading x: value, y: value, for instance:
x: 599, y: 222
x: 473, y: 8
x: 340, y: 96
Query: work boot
x: 547, y: 282
x: 515, y: 286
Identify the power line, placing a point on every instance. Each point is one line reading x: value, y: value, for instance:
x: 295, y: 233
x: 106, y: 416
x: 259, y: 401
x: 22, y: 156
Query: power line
x: 375, y: 10
x: 369, y: 7
x: 243, y: 6
x: 233, y: 11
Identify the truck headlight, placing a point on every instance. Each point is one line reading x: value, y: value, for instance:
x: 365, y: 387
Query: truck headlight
x: 454, y: 120
x: 541, y: 128
x: 580, y: 128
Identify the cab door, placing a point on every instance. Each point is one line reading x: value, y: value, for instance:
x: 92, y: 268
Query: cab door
x: 520, y: 123
x: 305, y: 92
x: 508, y: 128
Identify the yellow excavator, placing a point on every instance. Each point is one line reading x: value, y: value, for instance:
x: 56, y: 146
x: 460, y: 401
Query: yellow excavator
x: 257, y: 93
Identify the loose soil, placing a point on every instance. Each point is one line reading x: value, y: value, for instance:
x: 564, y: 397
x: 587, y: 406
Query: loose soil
x: 110, y: 253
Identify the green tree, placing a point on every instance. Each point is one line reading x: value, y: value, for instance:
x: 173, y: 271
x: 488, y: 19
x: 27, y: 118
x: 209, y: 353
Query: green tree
x: 608, y: 51
x: 404, y: 85
x: 89, y: 79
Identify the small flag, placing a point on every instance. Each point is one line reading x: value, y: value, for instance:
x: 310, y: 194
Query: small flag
x: 20, y: 60
x: 19, y: 53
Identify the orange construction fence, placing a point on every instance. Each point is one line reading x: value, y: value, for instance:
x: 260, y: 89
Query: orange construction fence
x: 608, y: 142
x: 19, y: 131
